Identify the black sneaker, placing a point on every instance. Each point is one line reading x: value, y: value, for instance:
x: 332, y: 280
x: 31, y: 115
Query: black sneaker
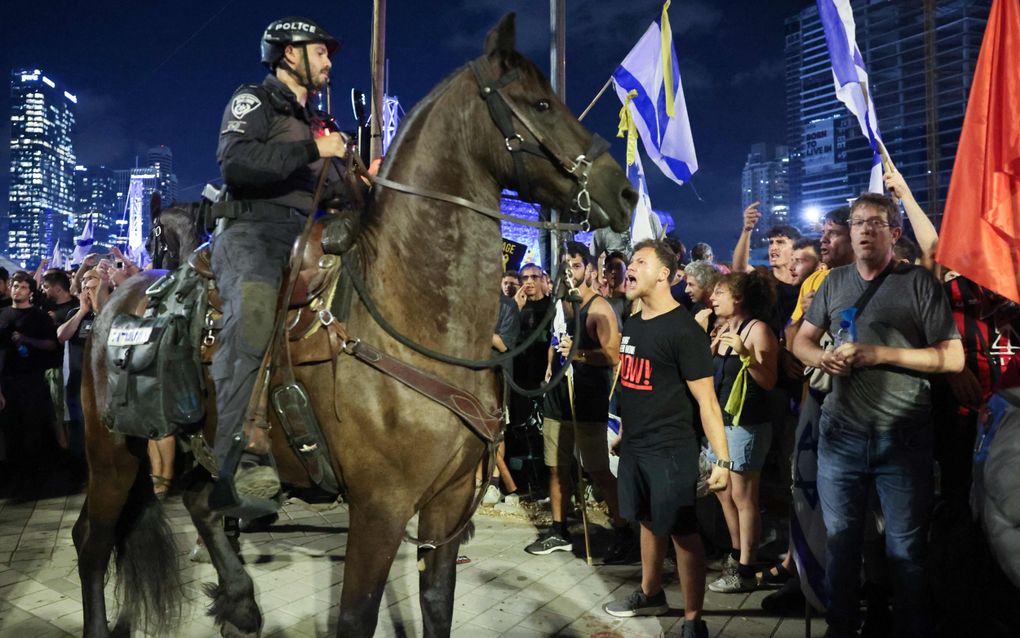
x: 548, y: 543
x: 638, y: 604
x: 694, y: 629
x: 622, y: 549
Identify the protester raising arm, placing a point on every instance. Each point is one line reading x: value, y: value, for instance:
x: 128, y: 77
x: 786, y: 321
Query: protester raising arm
x: 742, y: 252
x: 924, y: 230
x: 68, y: 329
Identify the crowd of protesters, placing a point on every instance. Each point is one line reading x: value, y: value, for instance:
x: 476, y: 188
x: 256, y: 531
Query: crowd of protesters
x: 710, y: 373
x: 45, y: 318
x: 854, y: 335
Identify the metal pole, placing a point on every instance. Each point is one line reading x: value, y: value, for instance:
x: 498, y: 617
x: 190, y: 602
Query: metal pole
x: 558, y: 73
x: 378, y: 73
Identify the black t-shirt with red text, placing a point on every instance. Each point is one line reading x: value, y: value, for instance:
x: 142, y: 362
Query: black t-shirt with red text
x: 657, y: 358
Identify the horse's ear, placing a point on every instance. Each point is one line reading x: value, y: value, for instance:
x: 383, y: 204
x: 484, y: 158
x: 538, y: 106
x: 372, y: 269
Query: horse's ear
x: 154, y: 204
x: 502, y: 39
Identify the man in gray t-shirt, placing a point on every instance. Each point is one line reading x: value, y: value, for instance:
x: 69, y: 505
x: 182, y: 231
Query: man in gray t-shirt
x: 875, y: 428
x: 908, y: 311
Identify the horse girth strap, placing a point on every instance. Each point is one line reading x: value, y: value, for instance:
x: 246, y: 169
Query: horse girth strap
x: 484, y: 210
x: 464, y: 404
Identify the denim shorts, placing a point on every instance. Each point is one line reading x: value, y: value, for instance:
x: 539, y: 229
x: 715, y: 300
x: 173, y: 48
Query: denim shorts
x: 749, y: 444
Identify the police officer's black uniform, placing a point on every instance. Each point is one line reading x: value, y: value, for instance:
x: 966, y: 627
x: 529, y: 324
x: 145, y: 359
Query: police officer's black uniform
x: 270, y: 164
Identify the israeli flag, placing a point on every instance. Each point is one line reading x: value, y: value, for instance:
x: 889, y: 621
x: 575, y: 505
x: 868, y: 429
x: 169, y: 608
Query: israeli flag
x: 658, y: 109
x: 57, y: 260
x: 82, y: 245
x: 851, y: 77
x: 646, y: 224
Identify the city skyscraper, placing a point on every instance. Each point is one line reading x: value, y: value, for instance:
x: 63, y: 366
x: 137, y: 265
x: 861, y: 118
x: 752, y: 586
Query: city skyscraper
x: 41, y: 201
x: 161, y: 158
x: 765, y: 179
x: 156, y: 175
x: 96, y: 195
x: 920, y: 77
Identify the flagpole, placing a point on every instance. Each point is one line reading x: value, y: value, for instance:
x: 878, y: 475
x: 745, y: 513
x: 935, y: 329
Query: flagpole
x: 597, y: 97
x: 887, y: 162
x: 378, y: 72
x: 558, y: 71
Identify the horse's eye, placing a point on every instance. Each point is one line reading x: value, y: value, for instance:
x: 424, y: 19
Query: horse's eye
x: 542, y: 105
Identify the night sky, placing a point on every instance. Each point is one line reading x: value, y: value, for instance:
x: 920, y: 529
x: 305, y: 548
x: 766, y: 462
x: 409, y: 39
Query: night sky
x: 161, y: 72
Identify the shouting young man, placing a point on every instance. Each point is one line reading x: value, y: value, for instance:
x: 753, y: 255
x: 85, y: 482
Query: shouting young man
x: 664, y: 354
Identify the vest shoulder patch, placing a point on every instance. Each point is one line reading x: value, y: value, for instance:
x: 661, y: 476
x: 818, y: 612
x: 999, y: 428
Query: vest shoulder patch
x: 243, y: 104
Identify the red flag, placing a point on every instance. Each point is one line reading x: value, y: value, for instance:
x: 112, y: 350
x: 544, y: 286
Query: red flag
x: 980, y: 235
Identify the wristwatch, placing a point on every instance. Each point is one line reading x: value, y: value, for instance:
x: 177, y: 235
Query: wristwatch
x: 726, y: 465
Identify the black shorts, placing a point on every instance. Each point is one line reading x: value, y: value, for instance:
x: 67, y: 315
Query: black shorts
x: 660, y: 490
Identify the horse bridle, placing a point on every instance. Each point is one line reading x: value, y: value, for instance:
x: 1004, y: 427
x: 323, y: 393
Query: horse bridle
x: 157, y: 244
x: 157, y: 239
x: 503, y: 111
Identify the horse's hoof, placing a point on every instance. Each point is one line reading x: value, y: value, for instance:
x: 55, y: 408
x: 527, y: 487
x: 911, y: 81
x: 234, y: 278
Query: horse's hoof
x: 229, y: 630
x: 199, y: 554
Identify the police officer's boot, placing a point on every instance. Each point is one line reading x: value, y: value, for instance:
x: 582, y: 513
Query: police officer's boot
x: 246, y: 488
x: 255, y: 479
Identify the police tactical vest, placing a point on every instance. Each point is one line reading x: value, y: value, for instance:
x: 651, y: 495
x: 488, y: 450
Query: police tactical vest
x: 288, y: 122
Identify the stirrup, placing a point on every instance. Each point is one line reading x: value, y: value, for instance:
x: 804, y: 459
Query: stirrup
x: 225, y: 500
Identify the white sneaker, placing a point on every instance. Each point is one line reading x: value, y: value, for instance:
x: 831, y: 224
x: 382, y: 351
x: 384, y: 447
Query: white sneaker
x: 492, y: 495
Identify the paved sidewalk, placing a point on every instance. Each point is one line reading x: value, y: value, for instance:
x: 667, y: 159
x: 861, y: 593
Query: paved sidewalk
x: 298, y: 568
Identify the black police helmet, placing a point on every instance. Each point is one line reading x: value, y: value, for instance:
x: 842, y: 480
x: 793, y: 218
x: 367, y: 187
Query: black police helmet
x: 294, y: 30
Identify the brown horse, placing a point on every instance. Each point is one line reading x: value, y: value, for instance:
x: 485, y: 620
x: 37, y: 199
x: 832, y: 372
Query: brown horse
x: 398, y: 453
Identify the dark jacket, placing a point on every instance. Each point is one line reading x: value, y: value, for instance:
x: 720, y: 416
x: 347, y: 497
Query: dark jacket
x: 267, y: 149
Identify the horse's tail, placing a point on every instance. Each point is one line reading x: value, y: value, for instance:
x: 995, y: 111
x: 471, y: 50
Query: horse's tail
x: 148, y: 582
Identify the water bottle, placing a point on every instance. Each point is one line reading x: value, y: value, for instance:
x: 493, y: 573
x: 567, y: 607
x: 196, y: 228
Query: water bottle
x: 842, y: 335
x: 847, y: 332
x: 22, y: 350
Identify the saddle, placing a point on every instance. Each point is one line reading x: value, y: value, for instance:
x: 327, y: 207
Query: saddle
x: 314, y: 290
x: 307, y: 343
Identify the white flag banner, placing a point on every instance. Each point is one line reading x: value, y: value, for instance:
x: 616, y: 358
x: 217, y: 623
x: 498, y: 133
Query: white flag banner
x: 82, y: 245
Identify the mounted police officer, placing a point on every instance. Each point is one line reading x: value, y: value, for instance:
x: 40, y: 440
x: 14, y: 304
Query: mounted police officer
x: 270, y: 159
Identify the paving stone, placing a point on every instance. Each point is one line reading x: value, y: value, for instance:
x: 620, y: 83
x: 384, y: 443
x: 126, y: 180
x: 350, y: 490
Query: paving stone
x: 298, y: 567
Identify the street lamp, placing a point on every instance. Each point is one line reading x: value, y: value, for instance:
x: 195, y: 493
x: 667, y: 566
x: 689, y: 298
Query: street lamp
x: 812, y: 214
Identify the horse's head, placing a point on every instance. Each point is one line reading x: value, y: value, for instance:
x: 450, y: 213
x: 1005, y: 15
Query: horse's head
x: 174, y: 234
x: 537, y: 146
